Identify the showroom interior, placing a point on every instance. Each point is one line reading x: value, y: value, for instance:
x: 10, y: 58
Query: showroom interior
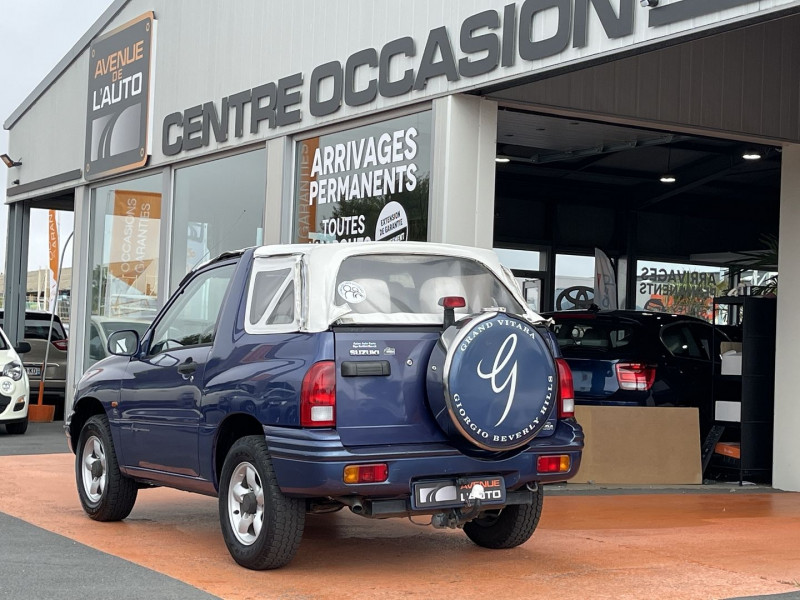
x: 560, y: 160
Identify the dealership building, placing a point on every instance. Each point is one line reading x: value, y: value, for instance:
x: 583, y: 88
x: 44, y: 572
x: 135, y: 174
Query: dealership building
x: 547, y: 129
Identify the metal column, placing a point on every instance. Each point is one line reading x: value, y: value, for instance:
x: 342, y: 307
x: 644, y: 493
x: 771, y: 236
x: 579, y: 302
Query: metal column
x: 19, y: 214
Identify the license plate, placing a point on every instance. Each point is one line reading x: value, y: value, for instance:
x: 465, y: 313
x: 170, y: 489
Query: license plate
x: 35, y: 371
x: 489, y: 489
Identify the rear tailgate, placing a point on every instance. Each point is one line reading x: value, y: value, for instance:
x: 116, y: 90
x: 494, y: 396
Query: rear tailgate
x: 380, y: 386
x: 593, y: 377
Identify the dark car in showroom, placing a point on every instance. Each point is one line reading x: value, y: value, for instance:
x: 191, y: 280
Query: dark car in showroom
x: 639, y: 358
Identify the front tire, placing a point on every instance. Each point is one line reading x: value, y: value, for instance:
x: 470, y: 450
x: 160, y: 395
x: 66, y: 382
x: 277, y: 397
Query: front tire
x: 508, y: 527
x: 262, y: 528
x: 105, y: 493
x: 17, y: 428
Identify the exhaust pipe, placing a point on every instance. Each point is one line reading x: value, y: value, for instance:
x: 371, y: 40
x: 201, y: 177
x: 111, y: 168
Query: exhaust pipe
x: 355, y: 504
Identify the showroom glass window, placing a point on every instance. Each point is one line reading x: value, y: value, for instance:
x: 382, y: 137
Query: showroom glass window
x: 217, y: 206
x: 574, y: 282
x: 678, y: 288
x: 125, y: 234
x: 529, y: 269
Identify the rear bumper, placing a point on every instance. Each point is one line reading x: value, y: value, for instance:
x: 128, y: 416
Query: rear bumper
x: 310, y: 463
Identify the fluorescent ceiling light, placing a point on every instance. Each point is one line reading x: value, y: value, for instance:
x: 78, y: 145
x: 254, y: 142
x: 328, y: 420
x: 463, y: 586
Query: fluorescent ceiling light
x: 751, y: 154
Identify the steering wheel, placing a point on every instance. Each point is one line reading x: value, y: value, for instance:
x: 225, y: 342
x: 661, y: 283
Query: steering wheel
x: 577, y: 296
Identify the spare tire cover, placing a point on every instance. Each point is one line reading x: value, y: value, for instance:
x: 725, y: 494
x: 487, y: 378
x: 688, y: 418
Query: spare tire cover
x: 492, y: 379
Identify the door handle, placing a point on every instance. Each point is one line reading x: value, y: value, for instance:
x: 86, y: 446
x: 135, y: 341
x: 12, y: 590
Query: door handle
x: 188, y: 367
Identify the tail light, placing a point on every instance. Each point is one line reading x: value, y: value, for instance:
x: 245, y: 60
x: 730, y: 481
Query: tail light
x: 318, y: 396
x: 61, y: 344
x: 376, y: 473
x: 566, y: 391
x: 635, y: 376
x: 553, y: 464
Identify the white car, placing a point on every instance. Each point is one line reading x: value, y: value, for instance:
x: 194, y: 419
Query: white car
x: 14, y: 387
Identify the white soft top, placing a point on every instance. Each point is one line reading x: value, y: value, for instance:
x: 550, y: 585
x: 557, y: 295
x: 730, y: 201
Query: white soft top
x: 321, y: 264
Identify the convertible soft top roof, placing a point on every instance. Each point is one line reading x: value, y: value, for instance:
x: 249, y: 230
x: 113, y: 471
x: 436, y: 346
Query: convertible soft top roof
x: 323, y: 261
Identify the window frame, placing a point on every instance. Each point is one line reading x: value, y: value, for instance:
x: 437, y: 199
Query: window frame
x: 176, y: 300
x: 262, y: 264
x: 689, y: 328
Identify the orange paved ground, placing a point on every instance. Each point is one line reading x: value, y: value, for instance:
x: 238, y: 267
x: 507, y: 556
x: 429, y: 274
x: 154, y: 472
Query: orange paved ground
x: 609, y: 546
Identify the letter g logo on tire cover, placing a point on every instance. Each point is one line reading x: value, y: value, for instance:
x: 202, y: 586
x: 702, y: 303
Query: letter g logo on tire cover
x: 492, y: 380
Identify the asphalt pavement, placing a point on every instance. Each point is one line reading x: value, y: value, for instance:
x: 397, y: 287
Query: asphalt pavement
x: 41, y: 438
x: 36, y: 564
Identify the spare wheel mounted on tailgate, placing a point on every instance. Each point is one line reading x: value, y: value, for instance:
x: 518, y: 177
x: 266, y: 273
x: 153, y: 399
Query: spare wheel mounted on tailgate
x: 492, y: 380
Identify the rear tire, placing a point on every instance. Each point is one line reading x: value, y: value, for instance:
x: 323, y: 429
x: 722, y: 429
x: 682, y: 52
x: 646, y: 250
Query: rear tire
x: 508, y: 527
x: 17, y: 428
x: 261, y: 526
x: 105, y: 493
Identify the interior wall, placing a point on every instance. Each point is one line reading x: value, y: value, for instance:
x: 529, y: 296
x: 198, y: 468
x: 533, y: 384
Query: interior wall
x: 559, y: 217
x: 742, y: 81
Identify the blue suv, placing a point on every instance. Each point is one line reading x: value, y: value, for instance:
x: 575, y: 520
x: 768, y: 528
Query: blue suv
x: 393, y: 379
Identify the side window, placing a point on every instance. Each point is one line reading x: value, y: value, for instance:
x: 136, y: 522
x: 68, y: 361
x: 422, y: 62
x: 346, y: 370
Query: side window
x: 96, y: 349
x: 192, y: 317
x: 680, y: 341
x: 702, y: 336
x: 272, y: 295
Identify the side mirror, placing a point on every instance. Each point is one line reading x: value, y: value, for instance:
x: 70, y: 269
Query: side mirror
x: 22, y: 348
x: 124, y: 342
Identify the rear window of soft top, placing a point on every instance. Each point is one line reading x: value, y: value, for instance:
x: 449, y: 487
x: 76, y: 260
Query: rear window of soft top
x: 413, y: 284
x: 593, y: 333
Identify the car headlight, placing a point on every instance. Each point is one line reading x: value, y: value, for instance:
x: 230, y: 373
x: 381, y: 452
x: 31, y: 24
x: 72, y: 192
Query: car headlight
x: 13, y: 370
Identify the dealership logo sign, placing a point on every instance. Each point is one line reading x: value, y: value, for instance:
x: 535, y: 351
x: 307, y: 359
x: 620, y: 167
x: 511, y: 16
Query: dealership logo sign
x: 118, y: 104
x: 484, y: 42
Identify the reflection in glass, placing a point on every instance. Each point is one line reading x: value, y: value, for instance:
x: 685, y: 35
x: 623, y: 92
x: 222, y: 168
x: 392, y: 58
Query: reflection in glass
x: 678, y: 288
x: 124, y: 239
x: 218, y: 206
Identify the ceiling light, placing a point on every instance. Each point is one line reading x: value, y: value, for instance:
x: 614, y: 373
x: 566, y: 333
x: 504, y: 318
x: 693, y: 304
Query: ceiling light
x: 668, y: 178
x: 10, y: 162
x: 751, y: 154
x: 502, y: 159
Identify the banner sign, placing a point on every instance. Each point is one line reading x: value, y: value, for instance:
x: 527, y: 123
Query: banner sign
x: 135, y: 233
x: 605, y: 281
x: 118, y: 107
x: 367, y: 183
x: 53, y: 257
